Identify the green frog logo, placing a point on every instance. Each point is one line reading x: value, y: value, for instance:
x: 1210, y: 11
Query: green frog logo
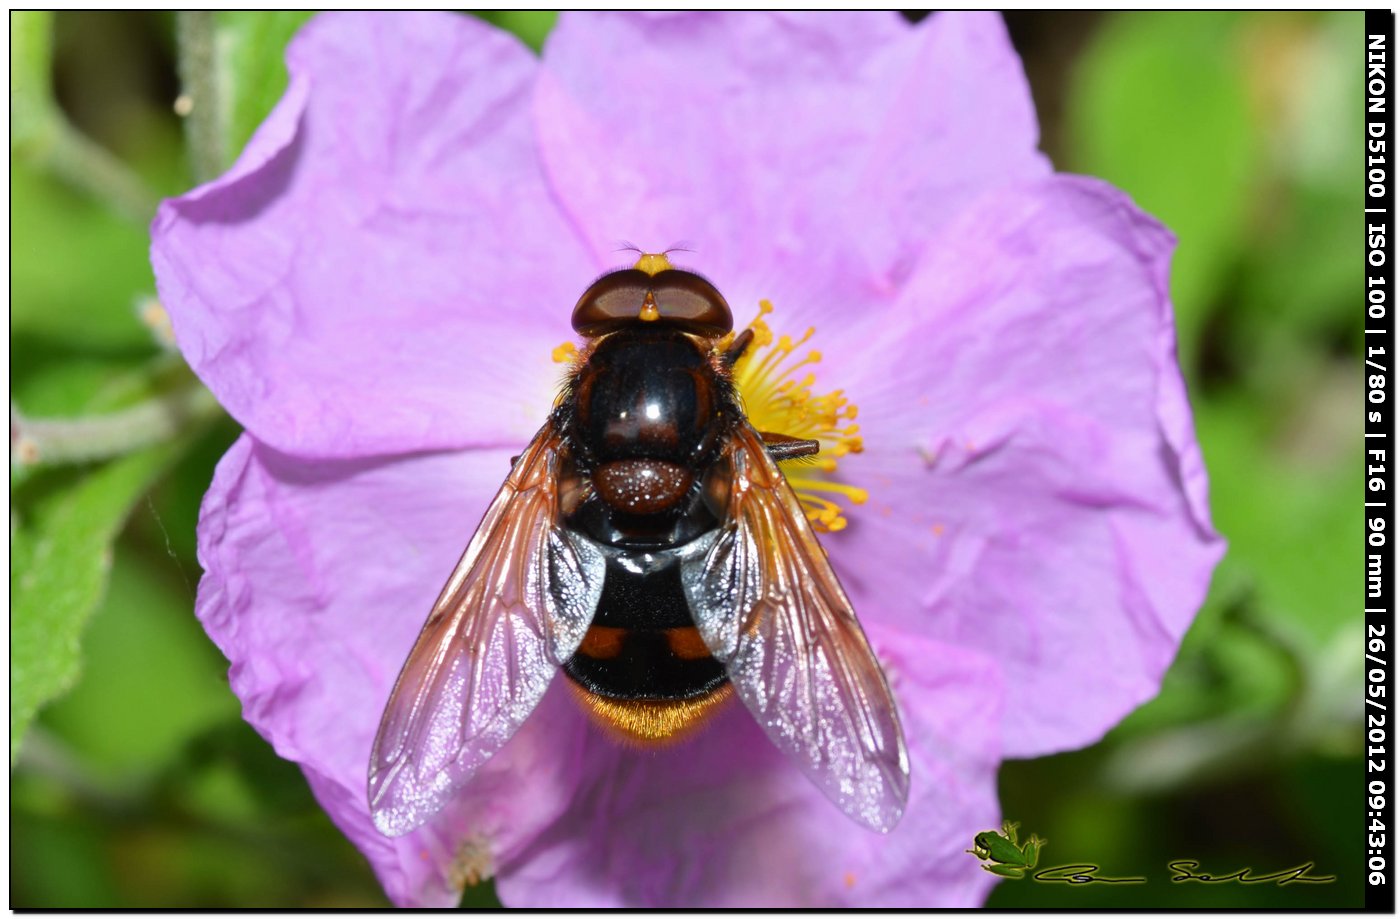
x: 1003, y: 855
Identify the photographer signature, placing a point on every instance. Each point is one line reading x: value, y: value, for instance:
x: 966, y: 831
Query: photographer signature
x: 1004, y: 855
x: 1181, y: 871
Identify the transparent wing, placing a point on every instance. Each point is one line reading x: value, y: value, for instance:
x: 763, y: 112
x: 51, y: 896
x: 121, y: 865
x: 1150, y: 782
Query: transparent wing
x: 769, y: 607
x: 516, y: 607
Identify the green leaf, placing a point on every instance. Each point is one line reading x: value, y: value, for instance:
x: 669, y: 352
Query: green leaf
x: 530, y: 26
x: 252, y: 73
x: 78, y: 270
x: 61, y: 553
x: 31, y: 61
x: 1158, y: 107
x: 125, y: 717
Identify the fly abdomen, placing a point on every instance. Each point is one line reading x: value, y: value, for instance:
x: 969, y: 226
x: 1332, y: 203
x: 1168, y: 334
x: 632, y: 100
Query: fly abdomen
x: 642, y: 669
x: 636, y: 665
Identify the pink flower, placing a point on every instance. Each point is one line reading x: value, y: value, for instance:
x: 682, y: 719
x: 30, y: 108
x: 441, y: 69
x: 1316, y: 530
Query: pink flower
x: 375, y: 289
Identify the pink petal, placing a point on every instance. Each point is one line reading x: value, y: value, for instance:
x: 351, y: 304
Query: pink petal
x: 383, y: 269
x: 316, y: 635
x: 1036, y: 489
x: 725, y: 821
x: 804, y: 157
x: 318, y: 578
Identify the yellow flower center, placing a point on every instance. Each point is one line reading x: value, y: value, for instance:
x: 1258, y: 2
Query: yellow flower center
x: 778, y: 401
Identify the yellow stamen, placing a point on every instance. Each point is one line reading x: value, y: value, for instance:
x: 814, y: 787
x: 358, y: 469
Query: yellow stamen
x: 564, y: 353
x: 780, y: 401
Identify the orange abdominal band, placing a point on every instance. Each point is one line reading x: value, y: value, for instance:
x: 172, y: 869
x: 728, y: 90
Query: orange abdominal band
x: 648, y: 722
x: 601, y: 642
x: 651, y: 722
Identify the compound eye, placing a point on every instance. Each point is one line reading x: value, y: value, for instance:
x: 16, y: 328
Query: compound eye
x: 681, y: 298
x: 613, y: 300
x: 691, y: 302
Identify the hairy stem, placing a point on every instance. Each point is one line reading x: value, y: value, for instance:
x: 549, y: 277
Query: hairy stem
x: 41, y: 134
x: 94, y: 437
x: 200, y: 100
x: 75, y: 159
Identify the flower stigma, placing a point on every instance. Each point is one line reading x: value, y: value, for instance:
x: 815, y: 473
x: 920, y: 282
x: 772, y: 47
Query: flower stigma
x: 777, y: 400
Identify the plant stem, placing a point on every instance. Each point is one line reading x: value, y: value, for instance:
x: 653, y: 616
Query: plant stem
x: 94, y: 437
x: 200, y: 99
x: 75, y: 159
x: 40, y: 132
x: 44, y: 753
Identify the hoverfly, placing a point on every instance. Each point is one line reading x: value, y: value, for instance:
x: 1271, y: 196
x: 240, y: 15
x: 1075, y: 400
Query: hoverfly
x: 646, y: 544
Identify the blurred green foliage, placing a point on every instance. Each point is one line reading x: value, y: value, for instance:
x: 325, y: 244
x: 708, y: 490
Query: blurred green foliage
x: 60, y: 558
x: 141, y: 787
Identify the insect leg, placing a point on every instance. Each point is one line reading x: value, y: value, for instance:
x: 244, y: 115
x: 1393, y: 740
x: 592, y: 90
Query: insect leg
x: 782, y: 447
x: 737, y: 347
